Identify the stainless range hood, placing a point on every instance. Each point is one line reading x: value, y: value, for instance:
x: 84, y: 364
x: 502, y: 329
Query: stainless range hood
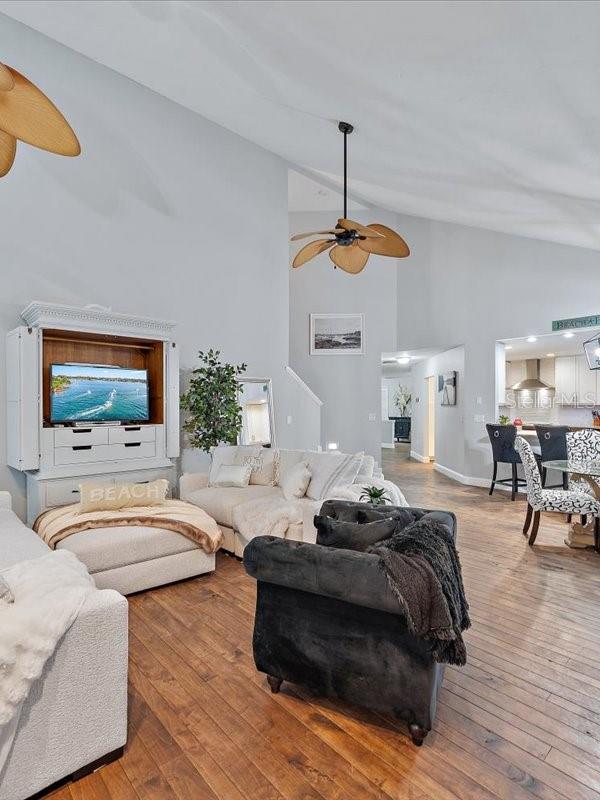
x: 532, y: 380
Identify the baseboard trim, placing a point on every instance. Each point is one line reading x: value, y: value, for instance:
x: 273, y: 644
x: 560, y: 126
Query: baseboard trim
x: 469, y: 480
x: 388, y: 445
x: 419, y: 457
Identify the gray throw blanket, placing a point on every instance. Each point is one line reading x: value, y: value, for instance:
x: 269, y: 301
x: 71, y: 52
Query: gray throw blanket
x: 423, y: 571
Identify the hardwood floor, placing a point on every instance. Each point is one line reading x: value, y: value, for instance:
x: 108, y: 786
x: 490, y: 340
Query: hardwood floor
x: 521, y: 720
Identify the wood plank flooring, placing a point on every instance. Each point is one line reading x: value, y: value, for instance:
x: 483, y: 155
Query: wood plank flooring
x: 521, y: 720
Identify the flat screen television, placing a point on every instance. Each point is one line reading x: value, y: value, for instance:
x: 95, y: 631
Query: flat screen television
x: 89, y: 393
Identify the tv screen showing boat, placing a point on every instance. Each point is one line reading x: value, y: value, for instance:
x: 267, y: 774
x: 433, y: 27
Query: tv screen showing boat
x: 86, y: 393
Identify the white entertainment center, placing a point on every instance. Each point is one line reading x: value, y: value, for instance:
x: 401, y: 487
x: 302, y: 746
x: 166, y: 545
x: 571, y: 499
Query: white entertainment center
x: 56, y: 458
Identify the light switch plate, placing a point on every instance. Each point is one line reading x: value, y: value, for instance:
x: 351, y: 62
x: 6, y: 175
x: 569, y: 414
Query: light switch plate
x: 372, y: 417
x: 479, y: 417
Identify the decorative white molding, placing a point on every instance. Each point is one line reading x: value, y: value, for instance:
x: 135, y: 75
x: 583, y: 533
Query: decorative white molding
x: 94, y: 318
x: 303, y: 385
x: 468, y: 480
x: 419, y: 457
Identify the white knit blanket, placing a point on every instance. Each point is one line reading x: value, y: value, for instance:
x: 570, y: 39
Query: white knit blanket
x: 49, y: 592
x: 273, y: 515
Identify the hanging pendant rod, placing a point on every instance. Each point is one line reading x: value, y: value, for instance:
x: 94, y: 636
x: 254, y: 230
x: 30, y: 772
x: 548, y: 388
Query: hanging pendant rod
x: 345, y: 128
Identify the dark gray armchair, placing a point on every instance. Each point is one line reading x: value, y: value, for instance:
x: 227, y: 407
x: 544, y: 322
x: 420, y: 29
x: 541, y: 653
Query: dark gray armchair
x: 326, y: 619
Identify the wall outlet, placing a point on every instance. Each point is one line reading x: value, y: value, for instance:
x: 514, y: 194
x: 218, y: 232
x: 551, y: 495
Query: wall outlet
x: 479, y: 401
x: 372, y: 417
x: 479, y: 417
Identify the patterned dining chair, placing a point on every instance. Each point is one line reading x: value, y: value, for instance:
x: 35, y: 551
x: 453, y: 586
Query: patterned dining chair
x: 502, y: 438
x: 540, y: 499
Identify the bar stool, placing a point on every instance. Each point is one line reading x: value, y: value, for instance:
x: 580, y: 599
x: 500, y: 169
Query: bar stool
x: 503, y: 438
x: 553, y: 445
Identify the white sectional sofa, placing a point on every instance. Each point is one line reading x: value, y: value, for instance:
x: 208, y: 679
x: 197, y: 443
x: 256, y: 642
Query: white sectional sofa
x: 224, y: 504
x: 76, y: 713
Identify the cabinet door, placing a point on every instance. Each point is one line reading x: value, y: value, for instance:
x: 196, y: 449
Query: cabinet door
x: 172, y: 405
x: 22, y: 398
x: 586, y: 383
x: 566, y: 381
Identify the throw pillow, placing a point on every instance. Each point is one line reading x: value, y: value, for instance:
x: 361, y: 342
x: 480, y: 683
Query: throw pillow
x: 352, y: 535
x: 329, y: 470
x: 367, y: 468
x: 223, y: 454
x: 236, y: 475
x: 6, y: 595
x: 286, y: 459
x: 295, y: 481
x: 262, y: 460
x: 113, y: 496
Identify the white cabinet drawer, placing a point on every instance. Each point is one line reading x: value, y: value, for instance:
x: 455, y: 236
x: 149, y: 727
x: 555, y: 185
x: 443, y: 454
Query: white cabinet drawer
x: 132, y: 433
x: 65, y: 492
x: 69, y: 437
x: 119, y: 452
x: 81, y: 454
x: 86, y: 454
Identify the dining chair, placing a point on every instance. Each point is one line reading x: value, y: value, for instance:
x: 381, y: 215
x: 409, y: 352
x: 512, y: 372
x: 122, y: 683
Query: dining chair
x: 502, y: 438
x: 553, y: 447
x: 583, y: 446
x: 540, y: 499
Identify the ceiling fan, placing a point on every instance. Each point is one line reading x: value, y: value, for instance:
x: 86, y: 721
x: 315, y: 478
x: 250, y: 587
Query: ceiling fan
x: 352, y: 243
x: 28, y: 115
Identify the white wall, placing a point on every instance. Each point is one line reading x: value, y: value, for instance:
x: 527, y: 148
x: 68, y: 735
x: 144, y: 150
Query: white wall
x: 350, y: 386
x: 390, y: 382
x: 464, y: 286
x: 164, y: 214
x: 449, y: 420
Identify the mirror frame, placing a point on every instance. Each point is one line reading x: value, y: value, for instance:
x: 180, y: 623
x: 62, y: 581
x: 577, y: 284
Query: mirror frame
x: 269, y: 383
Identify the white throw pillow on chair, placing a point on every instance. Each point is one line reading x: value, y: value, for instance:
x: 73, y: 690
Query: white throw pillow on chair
x: 234, y: 475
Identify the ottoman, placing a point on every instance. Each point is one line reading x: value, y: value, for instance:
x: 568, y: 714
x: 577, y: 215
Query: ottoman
x: 133, y: 558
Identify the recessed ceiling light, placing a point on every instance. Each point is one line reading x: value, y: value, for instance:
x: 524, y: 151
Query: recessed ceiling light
x: 532, y: 338
x: 568, y: 335
x: 508, y: 346
x: 549, y: 355
x: 403, y: 360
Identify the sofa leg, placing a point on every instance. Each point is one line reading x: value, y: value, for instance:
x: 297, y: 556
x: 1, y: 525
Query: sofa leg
x: 274, y: 683
x: 417, y: 734
x: 100, y: 762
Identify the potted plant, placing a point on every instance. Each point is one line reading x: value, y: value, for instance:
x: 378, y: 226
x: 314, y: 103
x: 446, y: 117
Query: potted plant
x: 212, y: 402
x: 503, y: 419
x: 374, y: 495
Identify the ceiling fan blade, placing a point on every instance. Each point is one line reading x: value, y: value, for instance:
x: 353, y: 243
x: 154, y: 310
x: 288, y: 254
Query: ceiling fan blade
x: 8, y: 148
x: 389, y: 243
x: 6, y: 79
x: 27, y: 114
x: 311, y: 250
x: 350, y: 258
x: 297, y: 236
x: 350, y: 225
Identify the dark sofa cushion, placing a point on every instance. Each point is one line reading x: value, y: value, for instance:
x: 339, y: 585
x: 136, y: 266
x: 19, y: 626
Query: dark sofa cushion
x: 353, y: 535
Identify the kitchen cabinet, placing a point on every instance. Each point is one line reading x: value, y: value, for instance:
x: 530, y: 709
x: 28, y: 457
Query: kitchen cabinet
x: 565, y: 380
x: 587, y: 379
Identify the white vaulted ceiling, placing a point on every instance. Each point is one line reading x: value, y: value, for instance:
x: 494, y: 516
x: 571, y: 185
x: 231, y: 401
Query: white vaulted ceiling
x: 482, y: 113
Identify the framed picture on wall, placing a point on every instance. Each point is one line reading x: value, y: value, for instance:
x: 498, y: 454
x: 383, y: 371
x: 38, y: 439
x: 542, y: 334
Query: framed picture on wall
x: 337, y: 334
x: 447, y: 386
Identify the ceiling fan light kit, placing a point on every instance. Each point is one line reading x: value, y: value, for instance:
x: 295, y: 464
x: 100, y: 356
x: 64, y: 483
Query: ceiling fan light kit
x: 352, y: 243
x: 28, y: 115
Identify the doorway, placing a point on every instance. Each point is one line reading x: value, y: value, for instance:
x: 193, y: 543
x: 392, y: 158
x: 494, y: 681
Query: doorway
x: 430, y: 429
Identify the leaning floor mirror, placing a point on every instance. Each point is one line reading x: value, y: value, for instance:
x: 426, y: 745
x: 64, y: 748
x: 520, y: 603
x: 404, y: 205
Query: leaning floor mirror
x: 256, y: 401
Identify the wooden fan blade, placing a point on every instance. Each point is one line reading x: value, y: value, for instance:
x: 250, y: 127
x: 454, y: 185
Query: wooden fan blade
x: 8, y: 148
x: 7, y: 81
x: 389, y: 243
x: 350, y: 225
x: 298, y: 236
x: 27, y: 114
x: 350, y: 258
x: 311, y: 250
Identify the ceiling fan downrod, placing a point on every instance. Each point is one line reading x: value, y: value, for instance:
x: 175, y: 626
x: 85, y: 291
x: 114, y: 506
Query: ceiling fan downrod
x: 345, y: 128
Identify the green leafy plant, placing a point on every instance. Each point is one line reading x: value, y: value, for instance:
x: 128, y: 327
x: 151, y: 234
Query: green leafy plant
x: 212, y: 402
x: 503, y: 419
x: 374, y: 495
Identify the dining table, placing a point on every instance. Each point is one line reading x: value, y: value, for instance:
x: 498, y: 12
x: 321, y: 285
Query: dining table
x: 589, y: 471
